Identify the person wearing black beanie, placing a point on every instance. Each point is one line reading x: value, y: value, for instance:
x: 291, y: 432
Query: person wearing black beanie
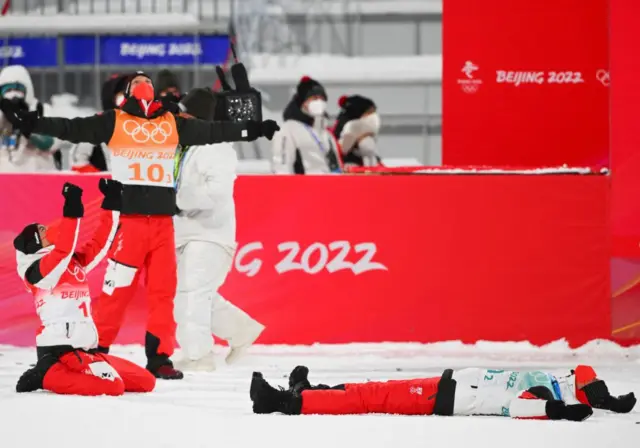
x: 305, y: 145
x: 357, y: 128
x: 205, y: 235
x: 167, y: 84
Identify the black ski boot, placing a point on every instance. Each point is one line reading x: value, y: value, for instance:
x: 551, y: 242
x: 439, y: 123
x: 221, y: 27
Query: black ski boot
x: 599, y: 397
x: 299, y: 382
x: 162, y: 368
x: 298, y: 379
x: 157, y: 363
x: 267, y: 399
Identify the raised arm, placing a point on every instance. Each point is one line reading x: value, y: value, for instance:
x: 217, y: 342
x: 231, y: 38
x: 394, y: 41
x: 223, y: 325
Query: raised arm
x: 45, y: 273
x: 93, y: 251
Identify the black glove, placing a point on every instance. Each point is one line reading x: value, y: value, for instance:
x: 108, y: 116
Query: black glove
x: 257, y: 129
x: 73, y: 207
x: 20, y: 119
x: 112, y: 191
x: 558, y: 410
x: 269, y: 128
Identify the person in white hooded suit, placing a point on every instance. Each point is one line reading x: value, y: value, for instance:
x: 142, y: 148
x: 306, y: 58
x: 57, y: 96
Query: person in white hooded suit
x: 206, y: 242
x: 18, y: 152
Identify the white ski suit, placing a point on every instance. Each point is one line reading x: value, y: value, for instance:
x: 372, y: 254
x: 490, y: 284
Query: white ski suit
x: 206, y: 242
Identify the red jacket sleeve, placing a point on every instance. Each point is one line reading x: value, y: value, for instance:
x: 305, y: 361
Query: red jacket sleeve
x: 92, y: 253
x: 46, y: 272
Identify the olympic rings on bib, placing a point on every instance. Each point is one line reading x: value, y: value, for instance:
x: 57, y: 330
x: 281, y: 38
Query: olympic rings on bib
x: 147, y: 131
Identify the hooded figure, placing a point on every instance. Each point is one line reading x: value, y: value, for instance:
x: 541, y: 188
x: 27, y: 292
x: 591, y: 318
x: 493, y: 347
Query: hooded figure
x: 20, y: 152
x: 304, y: 145
x: 205, y: 244
x: 89, y: 158
x: 357, y: 128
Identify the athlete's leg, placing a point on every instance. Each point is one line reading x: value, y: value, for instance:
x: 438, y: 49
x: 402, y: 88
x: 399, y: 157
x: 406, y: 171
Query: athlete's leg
x: 161, y: 282
x: 79, y: 373
x: 134, y: 377
x: 126, y: 256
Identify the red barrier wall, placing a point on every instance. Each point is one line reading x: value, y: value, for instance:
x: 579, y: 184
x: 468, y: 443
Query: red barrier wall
x: 625, y: 164
x: 525, y: 82
x: 382, y: 258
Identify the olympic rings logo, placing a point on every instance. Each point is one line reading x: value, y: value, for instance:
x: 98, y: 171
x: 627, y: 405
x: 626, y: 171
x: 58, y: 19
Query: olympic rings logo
x: 147, y: 131
x: 78, y: 273
x: 604, y: 77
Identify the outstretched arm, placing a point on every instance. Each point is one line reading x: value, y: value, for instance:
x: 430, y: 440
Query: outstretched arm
x: 200, y: 132
x: 537, y: 404
x: 95, y: 129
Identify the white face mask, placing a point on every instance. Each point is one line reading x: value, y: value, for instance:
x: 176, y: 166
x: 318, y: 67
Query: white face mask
x: 316, y: 108
x: 372, y: 121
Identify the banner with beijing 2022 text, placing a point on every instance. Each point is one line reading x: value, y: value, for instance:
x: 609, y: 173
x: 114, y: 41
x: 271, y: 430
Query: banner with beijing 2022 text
x: 525, y: 82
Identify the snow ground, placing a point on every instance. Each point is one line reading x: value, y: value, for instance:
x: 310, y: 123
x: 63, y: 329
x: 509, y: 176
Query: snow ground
x: 208, y: 410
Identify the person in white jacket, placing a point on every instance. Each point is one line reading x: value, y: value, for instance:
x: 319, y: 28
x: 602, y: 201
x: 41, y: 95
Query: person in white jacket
x: 304, y: 145
x: 206, y: 242
x: 18, y: 152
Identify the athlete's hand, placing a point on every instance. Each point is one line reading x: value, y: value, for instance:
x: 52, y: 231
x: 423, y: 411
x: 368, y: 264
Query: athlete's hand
x: 73, y: 207
x: 269, y: 128
x: 70, y: 190
x: 257, y: 129
x: 112, y: 191
x: 19, y: 118
x: 558, y: 410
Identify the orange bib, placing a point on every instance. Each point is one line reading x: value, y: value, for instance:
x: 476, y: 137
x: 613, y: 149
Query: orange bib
x: 143, y: 150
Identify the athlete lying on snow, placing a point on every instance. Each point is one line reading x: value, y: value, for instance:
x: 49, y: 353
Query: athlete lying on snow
x: 55, y: 271
x: 524, y: 395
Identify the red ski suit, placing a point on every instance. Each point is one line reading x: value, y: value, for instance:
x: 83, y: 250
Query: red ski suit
x: 57, y: 277
x: 406, y: 397
x: 142, y: 152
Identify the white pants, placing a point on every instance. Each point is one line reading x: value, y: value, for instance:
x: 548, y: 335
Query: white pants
x: 199, y: 310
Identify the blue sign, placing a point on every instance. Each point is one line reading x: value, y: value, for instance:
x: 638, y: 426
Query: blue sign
x: 146, y: 50
x: 80, y: 50
x: 29, y: 51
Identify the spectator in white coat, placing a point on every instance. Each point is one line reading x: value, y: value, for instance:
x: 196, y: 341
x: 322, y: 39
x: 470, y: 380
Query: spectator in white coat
x: 18, y: 152
x: 304, y: 145
x: 206, y: 242
x: 357, y: 128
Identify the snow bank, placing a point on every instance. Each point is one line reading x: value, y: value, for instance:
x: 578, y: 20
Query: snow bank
x: 270, y: 69
x: 598, y: 351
